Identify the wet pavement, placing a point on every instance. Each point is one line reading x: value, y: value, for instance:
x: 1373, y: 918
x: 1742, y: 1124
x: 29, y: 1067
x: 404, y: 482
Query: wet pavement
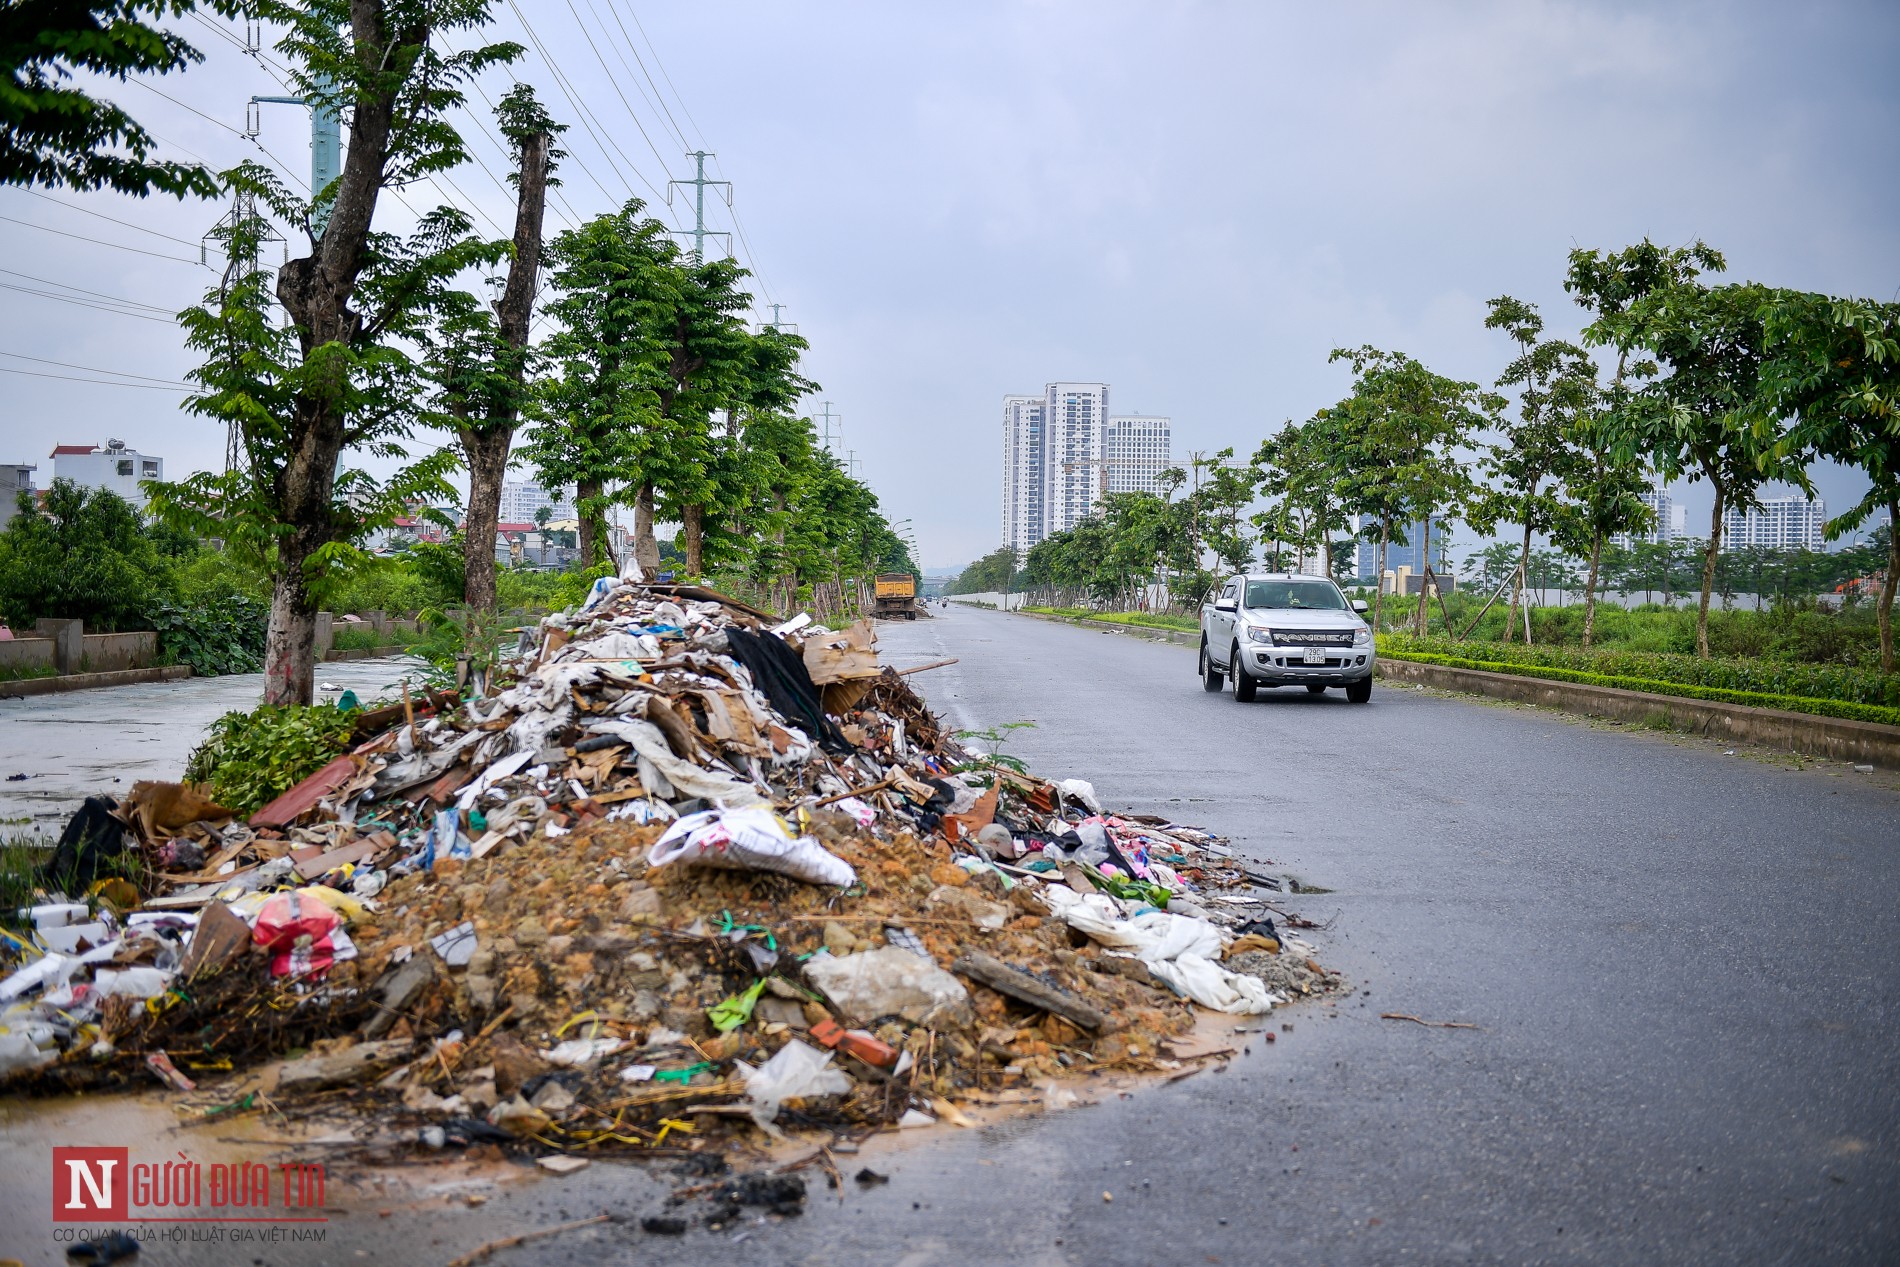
x: 74, y: 744
x: 1684, y: 967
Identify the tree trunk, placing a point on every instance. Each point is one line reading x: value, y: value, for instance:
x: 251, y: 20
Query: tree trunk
x: 1517, y: 590
x: 316, y: 290
x: 487, y: 455
x: 593, y: 523
x: 1590, y: 595
x: 646, y: 546
x: 486, y: 442
x: 290, y: 653
x: 693, y: 536
x: 1886, y: 590
x: 1378, y: 584
x: 1425, y: 567
x: 1708, y: 575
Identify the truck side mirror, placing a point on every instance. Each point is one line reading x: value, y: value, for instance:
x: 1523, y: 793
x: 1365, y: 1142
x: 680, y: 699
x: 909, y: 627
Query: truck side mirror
x: 1224, y: 605
x: 1359, y: 605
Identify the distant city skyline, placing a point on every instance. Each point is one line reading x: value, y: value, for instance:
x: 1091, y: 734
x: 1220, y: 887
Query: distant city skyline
x: 1064, y: 449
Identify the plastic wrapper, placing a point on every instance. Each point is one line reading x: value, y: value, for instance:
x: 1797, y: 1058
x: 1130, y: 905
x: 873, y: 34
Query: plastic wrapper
x: 749, y: 840
x: 296, y: 928
x: 796, y: 1069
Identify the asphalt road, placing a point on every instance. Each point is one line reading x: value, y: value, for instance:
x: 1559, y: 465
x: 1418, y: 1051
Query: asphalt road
x: 1684, y: 966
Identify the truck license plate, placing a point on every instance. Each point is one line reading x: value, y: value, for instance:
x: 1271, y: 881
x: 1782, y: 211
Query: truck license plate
x: 1314, y: 655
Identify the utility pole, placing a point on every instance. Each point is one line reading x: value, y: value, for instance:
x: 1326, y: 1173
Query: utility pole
x: 326, y: 144
x: 826, y: 419
x: 699, y: 182
x: 776, y: 324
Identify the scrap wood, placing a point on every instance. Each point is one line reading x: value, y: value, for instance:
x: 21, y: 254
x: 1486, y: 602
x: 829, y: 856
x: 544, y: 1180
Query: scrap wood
x: 857, y: 791
x: 1406, y: 1016
x: 482, y: 1252
x: 925, y: 668
x: 1024, y: 988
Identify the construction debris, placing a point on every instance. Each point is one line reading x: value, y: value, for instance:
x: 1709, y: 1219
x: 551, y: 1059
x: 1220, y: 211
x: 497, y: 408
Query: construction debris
x: 677, y: 875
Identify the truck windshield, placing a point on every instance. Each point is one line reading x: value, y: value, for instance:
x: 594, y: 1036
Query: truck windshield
x: 1309, y: 595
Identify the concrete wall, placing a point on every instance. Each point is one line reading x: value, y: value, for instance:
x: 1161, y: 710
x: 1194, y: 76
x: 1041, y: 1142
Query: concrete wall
x: 26, y: 653
x: 106, y: 653
x: 991, y: 599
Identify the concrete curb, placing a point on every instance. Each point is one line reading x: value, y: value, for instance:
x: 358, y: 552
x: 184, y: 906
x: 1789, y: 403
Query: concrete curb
x: 89, y: 681
x: 1181, y: 637
x: 1839, y: 738
x: 362, y: 653
x: 1868, y: 743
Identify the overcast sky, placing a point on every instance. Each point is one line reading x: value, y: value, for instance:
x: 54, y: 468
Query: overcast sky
x: 1191, y: 202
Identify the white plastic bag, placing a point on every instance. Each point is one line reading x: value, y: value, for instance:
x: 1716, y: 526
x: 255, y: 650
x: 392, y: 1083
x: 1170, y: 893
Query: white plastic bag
x: 749, y: 840
x: 1211, y: 985
x: 798, y: 1069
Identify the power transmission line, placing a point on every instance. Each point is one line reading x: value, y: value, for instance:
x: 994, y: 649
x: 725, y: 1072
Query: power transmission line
x: 586, y: 117
x: 93, y: 369
x: 97, y: 382
x: 658, y: 96
x: 87, y: 211
x: 87, y: 303
x: 615, y: 82
x: 96, y: 294
x: 136, y: 250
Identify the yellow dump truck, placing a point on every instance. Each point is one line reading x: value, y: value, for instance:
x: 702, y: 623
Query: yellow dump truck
x: 897, y: 595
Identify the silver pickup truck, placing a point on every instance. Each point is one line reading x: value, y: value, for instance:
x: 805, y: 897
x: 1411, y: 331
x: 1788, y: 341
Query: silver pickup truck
x: 1285, y: 629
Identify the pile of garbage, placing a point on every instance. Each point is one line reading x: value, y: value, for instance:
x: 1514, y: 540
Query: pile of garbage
x: 673, y: 874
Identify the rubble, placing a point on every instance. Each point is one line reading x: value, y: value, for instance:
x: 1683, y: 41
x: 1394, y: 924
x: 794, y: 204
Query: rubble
x: 670, y: 878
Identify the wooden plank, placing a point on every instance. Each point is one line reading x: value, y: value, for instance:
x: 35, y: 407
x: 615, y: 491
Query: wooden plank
x: 1019, y: 985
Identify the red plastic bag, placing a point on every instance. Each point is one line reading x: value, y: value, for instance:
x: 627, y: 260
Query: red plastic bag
x: 296, y: 930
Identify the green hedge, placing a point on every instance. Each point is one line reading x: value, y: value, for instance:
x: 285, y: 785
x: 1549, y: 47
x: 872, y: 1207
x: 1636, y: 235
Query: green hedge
x: 1802, y: 679
x: 1845, y: 709
x: 1145, y: 620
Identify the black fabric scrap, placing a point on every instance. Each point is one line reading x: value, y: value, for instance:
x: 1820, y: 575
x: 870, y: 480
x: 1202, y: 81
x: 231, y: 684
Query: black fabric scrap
x: 782, y: 675
x: 93, y: 839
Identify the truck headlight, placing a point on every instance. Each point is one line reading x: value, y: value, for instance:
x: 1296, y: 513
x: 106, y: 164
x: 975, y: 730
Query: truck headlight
x: 1361, y: 636
x: 1259, y: 634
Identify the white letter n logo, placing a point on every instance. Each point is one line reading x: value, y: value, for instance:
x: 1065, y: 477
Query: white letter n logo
x: 99, y: 1190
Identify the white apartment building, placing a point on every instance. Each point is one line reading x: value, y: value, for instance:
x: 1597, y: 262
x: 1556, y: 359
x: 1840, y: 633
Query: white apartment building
x: 1668, y: 521
x: 520, y: 501
x: 1075, y: 448
x: 1063, y: 450
x: 109, y: 466
x: 1139, y: 449
x: 1779, y: 523
x: 1022, y: 472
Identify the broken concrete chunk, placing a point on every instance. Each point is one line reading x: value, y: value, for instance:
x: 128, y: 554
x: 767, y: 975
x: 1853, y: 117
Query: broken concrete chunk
x: 890, y: 982
x: 400, y: 989
x: 314, y: 1073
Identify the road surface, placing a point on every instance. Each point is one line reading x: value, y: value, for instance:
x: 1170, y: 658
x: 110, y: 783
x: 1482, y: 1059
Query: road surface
x: 1683, y: 966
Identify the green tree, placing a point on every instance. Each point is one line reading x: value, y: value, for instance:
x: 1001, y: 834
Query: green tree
x: 1834, y: 369
x: 85, y: 555
x: 1425, y: 422
x: 55, y: 134
x: 1556, y: 386
x: 480, y: 359
x: 342, y: 374
x: 1701, y: 412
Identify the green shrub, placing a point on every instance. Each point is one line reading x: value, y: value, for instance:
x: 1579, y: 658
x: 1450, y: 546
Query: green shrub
x: 1481, y: 656
x: 1146, y: 620
x: 214, y: 633
x: 1758, y: 676
x: 352, y: 637
x: 250, y: 759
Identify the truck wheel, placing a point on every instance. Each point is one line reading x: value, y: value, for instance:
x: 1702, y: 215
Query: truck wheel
x: 1359, y: 692
x: 1210, y: 676
x: 1243, y: 682
x: 1316, y: 688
